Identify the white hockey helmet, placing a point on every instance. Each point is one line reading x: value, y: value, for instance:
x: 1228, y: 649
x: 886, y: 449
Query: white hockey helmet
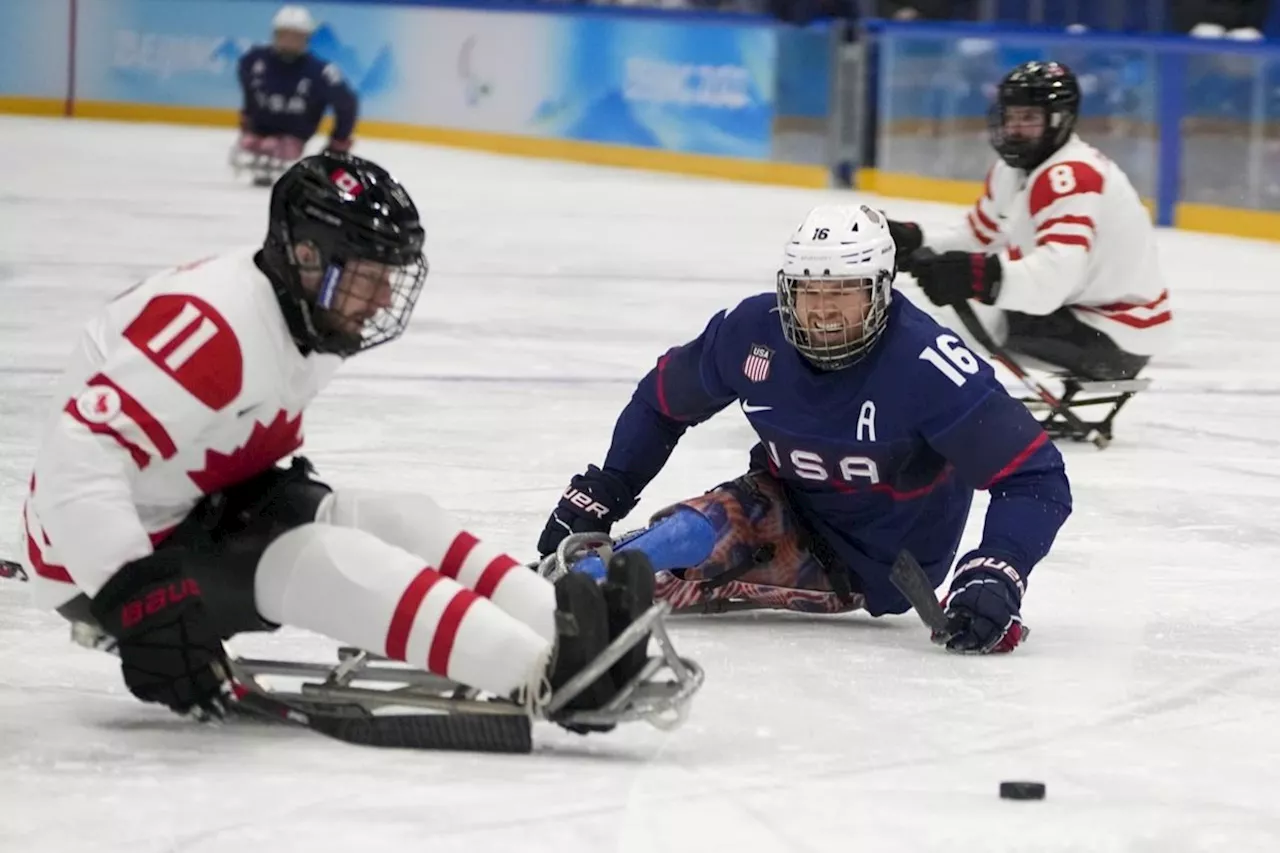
x: 836, y: 251
x: 294, y: 19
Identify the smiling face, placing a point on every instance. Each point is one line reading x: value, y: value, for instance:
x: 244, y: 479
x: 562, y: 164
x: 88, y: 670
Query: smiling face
x: 831, y: 311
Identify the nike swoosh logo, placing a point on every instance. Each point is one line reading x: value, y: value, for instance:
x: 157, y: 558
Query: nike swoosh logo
x: 748, y: 408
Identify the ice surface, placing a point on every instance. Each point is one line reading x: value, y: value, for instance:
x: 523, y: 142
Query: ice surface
x: 1147, y: 698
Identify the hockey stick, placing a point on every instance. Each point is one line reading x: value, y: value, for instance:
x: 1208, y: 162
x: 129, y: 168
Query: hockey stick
x: 971, y: 322
x: 355, y: 725
x: 915, y: 586
x: 503, y: 731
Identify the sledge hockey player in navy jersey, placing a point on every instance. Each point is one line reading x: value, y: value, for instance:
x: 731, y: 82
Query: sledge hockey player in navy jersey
x: 160, y: 524
x: 876, y: 425
x: 1057, y: 259
x: 287, y: 90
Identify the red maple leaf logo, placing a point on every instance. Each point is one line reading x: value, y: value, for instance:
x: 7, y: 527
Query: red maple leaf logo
x: 265, y: 446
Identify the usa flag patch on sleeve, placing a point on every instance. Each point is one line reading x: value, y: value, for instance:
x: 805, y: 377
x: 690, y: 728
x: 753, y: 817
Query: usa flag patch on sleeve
x: 756, y: 367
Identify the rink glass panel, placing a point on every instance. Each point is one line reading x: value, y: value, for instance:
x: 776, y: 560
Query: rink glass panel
x: 1231, y: 131
x: 935, y: 91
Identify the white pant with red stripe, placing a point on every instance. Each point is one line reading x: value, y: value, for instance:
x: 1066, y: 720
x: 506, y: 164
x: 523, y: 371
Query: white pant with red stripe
x: 398, y: 576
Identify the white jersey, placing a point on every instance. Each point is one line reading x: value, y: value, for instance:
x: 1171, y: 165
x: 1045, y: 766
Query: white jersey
x: 185, y: 384
x: 1072, y: 232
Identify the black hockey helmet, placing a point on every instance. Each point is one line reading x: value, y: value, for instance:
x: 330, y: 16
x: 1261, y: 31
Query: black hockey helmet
x: 344, y: 253
x: 1053, y: 88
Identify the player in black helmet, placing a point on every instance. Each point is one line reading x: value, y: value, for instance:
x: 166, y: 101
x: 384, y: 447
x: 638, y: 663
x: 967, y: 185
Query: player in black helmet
x: 1056, y: 262
x: 159, y: 522
x: 1034, y: 114
x: 344, y: 253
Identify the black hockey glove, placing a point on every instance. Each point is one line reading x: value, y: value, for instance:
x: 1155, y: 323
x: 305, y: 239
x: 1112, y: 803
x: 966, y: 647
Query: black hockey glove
x: 908, y: 238
x: 169, y: 651
x: 983, y: 607
x: 591, y: 504
x: 952, y: 277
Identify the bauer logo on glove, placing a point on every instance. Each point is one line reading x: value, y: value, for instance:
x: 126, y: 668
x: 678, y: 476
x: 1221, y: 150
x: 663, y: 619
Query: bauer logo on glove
x: 983, y: 607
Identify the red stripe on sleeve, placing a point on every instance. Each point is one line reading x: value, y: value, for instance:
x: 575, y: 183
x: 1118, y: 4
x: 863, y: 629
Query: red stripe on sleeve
x: 1066, y: 220
x: 140, y: 457
x: 660, y: 384
x: 1066, y: 240
x: 1016, y: 462
x: 973, y: 226
x: 984, y: 219
x: 136, y: 412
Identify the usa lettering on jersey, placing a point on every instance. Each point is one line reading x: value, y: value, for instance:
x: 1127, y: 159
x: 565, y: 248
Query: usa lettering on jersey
x: 811, y: 465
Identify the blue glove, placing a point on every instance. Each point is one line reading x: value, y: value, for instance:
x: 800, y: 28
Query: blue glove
x: 591, y: 504
x: 983, y: 607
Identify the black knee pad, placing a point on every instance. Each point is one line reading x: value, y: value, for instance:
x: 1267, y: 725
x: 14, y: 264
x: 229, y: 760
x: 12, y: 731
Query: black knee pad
x: 273, y: 502
x: 225, y: 536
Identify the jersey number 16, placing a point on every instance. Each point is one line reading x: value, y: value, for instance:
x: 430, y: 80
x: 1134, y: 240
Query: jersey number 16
x: 958, y: 365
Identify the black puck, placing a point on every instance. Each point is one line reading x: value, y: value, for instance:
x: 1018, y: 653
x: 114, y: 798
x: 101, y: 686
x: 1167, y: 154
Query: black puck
x: 1022, y: 790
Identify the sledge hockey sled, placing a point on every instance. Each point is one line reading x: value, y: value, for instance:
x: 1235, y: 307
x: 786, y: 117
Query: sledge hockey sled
x: 1062, y: 419
x: 370, y: 700
x: 1078, y: 394
x: 264, y: 168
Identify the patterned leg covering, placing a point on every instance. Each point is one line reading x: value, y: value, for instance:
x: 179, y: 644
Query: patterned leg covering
x: 758, y: 555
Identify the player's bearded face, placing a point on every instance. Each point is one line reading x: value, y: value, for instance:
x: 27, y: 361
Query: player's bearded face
x: 363, y: 289
x: 1023, y: 123
x: 831, y: 312
x: 290, y: 43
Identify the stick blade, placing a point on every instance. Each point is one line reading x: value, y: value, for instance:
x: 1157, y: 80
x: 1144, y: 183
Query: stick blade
x: 353, y: 724
x: 440, y: 732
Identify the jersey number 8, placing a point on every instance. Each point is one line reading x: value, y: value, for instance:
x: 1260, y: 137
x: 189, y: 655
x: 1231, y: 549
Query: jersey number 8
x: 1062, y: 178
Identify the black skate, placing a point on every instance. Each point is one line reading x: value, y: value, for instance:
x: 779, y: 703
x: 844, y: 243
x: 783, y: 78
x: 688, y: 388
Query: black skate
x: 582, y: 628
x: 628, y: 594
x: 590, y: 617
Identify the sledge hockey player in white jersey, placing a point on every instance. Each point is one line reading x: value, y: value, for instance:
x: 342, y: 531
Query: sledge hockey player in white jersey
x: 157, y: 515
x: 1059, y: 243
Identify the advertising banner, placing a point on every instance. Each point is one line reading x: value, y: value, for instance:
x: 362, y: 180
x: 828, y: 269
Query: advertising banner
x: 706, y: 88
x: 34, y: 43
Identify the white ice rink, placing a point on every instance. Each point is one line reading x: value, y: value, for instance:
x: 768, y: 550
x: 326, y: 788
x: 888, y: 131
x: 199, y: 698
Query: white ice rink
x: 1147, y: 698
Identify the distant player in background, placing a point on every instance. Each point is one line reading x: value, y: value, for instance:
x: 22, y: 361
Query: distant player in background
x: 876, y: 425
x: 1058, y: 255
x: 287, y: 90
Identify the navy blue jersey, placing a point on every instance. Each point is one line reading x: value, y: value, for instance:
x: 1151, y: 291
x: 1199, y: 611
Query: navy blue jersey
x: 883, y: 455
x: 288, y: 98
